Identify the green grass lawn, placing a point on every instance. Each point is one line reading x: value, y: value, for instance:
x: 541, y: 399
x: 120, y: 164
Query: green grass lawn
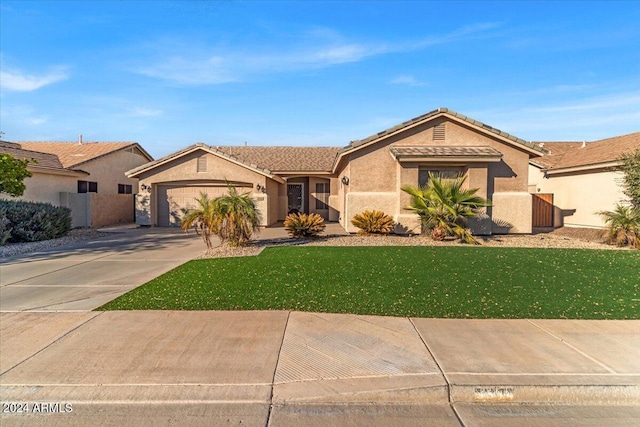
x: 455, y: 282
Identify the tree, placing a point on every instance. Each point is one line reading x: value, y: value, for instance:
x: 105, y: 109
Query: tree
x: 631, y: 179
x: 239, y: 217
x: 232, y: 217
x: 444, y: 207
x: 12, y: 175
x: 204, y: 219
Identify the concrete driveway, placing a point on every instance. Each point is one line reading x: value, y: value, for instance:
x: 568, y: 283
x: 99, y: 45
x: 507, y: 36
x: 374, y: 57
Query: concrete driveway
x: 84, y: 276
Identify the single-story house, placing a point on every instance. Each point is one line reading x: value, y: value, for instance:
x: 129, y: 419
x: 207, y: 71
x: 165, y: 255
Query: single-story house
x: 88, y: 177
x: 338, y: 183
x: 575, y: 180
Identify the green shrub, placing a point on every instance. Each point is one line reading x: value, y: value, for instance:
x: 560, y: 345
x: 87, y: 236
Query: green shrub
x: 624, y: 226
x: 373, y: 222
x: 302, y: 225
x: 32, y: 222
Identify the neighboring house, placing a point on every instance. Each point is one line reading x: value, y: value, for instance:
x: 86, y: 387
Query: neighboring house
x: 578, y: 179
x: 90, y: 178
x: 340, y: 183
x: 49, y: 176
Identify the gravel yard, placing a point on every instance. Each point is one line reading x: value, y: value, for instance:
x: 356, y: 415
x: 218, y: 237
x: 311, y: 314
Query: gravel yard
x: 560, y: 238
x: 573, y: 238
x: 74, y: 236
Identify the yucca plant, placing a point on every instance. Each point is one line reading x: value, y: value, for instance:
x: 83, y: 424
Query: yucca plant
x: 624, y: 226
x: 373, y: 222
x: 300, y: 225
x: 444, y: 207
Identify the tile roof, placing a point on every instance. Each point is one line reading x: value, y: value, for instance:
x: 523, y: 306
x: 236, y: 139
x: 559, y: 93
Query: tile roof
x: 437, y: 112
x: 446, y: 151
x: 284, y: 159
x: 74, y: 154
x: 44, y: 160
x: 565, y: 155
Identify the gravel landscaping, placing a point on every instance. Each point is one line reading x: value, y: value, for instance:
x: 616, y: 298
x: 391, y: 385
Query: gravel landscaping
x: 74, y: 236
x: 570, y: 238
x: 560, y: 238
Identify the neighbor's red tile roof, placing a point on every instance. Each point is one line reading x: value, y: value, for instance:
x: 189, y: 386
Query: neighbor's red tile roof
x: 572, y: 154
x: 73, y: 154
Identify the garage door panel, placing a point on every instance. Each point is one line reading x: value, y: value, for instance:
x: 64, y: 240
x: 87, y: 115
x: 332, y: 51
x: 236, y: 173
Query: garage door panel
x: 173, y: 199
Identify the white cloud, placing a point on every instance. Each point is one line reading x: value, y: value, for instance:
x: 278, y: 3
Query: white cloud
x: 408, y: 80
x: 589, y: 118
x: 15, y: 80
x: 320, y: 48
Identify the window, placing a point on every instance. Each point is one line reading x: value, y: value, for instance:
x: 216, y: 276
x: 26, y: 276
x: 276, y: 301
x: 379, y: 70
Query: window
x: 423, y: 174
x: 322, y: 196
x: 124, y: 189
x: 202, y: 164
x: 87, y: 187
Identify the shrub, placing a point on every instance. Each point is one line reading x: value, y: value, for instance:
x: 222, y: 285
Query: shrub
x: 624, y: 226
x: 373, y: 222
x: 33, y: 222
x: 233, y: 217
x: 444, y: 207
x: 302, y: 225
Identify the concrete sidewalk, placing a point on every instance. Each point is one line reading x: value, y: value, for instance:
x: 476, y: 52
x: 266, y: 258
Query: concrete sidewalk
x: 277, y: 368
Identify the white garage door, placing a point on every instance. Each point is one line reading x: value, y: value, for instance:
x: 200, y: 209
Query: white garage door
x: 173, y: 199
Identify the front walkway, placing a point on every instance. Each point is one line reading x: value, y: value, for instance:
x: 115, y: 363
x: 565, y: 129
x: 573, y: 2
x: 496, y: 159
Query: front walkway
x: 281, y: 368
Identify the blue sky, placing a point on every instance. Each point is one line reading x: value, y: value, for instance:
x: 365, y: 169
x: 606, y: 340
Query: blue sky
x: 168, y: 74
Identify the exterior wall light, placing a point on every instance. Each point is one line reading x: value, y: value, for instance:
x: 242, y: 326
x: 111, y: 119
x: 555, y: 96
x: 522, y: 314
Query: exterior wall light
x: 345, y: 180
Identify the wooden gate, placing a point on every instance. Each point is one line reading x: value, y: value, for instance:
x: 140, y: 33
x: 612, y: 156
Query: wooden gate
x: 542, y: 210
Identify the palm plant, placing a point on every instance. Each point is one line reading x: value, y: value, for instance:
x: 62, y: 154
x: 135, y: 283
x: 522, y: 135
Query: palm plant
x: 444, y: 207
x: 624, y: 226
x: 301, y: 225
x: 204, y: 219
x: 238, y: 215
x: 373, y: 222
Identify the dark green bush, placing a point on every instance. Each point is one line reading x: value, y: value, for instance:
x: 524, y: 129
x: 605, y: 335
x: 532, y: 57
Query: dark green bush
x: 32, y: 222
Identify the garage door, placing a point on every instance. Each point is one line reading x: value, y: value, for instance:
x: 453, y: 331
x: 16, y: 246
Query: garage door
x: 172, y: 199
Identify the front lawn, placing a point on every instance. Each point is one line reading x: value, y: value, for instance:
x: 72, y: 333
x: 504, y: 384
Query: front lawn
x: 455, y: 282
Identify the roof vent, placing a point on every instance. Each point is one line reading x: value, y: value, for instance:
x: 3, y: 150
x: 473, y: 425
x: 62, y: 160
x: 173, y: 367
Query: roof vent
x: 584, y: 143
x: 439, y: 132
x: 80, y: 139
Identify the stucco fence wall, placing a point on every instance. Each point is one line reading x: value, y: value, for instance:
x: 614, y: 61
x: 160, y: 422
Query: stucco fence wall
x: 98, y: 210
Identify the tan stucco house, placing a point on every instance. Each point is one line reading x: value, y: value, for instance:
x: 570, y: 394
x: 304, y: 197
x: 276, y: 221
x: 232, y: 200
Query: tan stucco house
x: 338, y: 183
x: 88, y: 177
x: 580, y: 179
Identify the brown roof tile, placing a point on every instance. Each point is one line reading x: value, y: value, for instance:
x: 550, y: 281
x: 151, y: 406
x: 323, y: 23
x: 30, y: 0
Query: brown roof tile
x: 576, y: 154
x: 73, y: 154
x: 446, y: 151
x: 284, y: 159
x: 43, y: 160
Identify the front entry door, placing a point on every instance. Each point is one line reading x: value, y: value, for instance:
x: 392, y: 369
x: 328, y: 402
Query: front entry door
x: 295, y: 197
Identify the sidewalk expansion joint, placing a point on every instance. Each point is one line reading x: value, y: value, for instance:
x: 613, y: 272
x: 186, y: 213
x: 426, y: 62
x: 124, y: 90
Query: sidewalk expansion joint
x: 444, y: 375
x: 594, y: 360
x: 98, y: 314
x: 275, y: 371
